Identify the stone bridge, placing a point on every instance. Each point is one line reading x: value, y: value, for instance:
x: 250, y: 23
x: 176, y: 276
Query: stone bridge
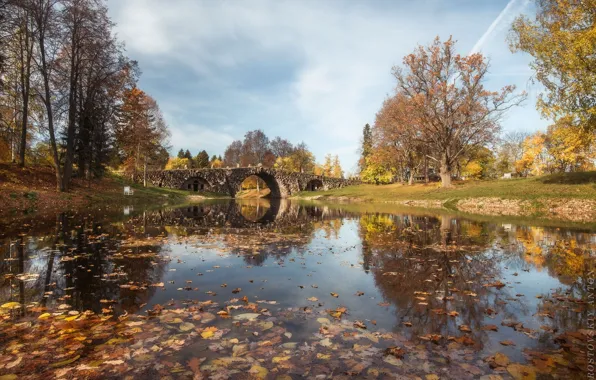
x: 282, y: 184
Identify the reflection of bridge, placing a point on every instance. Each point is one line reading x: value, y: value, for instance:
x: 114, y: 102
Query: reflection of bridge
x: 232, y: 214
x: 228, y: 181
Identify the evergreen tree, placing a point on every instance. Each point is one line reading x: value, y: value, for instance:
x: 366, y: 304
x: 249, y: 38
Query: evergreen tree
x: 202, y: 159
x: 181, y: 153
x: 188, y: 155
x: 367, y: 146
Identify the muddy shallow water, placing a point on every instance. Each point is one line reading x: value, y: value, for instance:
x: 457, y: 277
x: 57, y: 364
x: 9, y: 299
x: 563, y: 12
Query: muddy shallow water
x: 274, y: 289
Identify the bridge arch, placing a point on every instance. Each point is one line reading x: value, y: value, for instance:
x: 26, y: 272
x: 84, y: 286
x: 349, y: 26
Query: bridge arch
x: 314, y: 185
x: 196, y: 184
x: 267, y: 177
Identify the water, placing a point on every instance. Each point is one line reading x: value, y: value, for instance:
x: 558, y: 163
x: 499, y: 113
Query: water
x: 270, y: 289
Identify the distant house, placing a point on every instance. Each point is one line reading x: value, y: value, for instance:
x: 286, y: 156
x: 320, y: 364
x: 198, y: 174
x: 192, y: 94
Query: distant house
x: 507, y: 176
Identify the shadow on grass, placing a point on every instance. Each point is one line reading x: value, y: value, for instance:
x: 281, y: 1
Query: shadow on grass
x: 576, y: 178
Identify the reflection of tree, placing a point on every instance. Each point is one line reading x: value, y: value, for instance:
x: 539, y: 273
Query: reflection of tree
x: 81, y: 263
x: 438, y: 258
x: 427, y: 267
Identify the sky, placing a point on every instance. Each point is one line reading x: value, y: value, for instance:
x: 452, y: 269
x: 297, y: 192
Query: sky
x: 306, y: 70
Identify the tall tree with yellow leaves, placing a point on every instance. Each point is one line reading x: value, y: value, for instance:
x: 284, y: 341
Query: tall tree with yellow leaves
x: 562, y: 40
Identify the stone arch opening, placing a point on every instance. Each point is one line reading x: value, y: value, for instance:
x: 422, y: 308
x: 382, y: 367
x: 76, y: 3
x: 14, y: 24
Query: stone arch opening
x: 196, y: 184
x: 270, y: 181
x: 314, y: 185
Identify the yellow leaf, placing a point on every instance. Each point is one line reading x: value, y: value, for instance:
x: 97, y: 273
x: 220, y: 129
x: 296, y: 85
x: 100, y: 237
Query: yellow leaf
x: 279, y: 359
x: 11, y: 305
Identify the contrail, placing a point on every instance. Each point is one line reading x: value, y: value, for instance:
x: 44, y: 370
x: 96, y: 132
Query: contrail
x: 495, y: 24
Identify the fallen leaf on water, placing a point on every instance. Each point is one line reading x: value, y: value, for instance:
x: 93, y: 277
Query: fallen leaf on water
x: 237, y: 290
x: 208, y: 332
x: 334, y: 295
x: 313, y: 299
x: 359, y: 324
x: 65, y: 362
x: 490, y: 328
x: 507, y: 343
x: 279, y: 359
x: 501, y: 359
x: 496, y: 284
x: 464, y: 328
x: 398, y: 352
x: 521, y: 372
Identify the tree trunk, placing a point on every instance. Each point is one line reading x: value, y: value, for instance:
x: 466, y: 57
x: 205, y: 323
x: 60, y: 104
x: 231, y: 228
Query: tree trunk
x: 425, y: 169
x: 25, y: 79
x: 145, y: 172
x: 42, y: 28
x: 445, y: 172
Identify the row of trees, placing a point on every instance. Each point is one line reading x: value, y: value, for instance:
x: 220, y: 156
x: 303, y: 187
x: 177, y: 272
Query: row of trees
x: 441, y: 119
x: 258, y: 149
x: 185, y: 160
x: 69, y: 93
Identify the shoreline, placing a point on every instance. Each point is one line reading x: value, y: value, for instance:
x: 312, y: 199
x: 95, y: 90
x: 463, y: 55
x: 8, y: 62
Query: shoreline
x: 561, y: 209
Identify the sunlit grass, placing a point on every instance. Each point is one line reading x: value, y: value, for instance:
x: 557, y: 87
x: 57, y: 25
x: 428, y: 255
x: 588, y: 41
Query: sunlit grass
x: 563, y: 185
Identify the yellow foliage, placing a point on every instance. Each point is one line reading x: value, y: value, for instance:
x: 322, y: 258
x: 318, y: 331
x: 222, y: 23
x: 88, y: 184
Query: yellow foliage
x: 178, y: 163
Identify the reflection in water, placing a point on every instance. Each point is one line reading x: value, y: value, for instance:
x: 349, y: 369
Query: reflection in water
x: 466, y: 287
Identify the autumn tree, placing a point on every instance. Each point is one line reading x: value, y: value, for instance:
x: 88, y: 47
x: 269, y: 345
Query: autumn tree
x: 562, y: 41
x: 281, y: 147
x: 571, y: 149
x: 510, y: 149
x: 399, y: 139
x: 448, y: 101
x: 534, y: 159
x: 254, y: 148
x: 141, y: 131
x: 336, y: 170
x: 326, y: 167
x: 301, y: 160
x: 233, y: 153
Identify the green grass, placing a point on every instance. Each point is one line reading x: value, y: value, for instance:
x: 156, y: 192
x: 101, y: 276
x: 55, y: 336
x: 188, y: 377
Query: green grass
x: 563, y: 185
x: 152, y: 194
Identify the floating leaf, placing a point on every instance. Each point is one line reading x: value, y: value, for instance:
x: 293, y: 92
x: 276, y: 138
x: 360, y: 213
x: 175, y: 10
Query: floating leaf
x: 11, y: 305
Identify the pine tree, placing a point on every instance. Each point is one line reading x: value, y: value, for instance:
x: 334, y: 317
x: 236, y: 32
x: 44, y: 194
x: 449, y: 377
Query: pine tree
x: 202, y: 159
x: 181, y: 153
x: 367, y: 146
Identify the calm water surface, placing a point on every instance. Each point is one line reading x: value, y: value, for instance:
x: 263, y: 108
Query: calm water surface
x: 274, y: 289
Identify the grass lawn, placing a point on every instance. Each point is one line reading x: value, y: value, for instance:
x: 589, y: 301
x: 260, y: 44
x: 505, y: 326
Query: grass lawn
x: 562, y: 185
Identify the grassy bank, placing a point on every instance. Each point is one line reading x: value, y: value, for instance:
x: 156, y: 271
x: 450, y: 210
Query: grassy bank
x: 567, y: 196
x: 32, y: 191
x: 564, y: 185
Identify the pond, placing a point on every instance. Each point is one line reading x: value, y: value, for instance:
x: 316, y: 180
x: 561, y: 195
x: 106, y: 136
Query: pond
x: 279, y: 289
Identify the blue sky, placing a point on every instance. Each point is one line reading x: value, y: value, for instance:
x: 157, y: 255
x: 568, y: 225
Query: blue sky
x: 312, y: 71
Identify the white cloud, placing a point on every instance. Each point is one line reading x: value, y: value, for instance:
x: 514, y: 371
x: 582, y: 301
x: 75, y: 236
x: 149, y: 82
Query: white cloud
x: 341, y: 55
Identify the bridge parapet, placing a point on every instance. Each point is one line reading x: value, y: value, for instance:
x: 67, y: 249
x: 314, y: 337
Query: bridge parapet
x: 228, y: 180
